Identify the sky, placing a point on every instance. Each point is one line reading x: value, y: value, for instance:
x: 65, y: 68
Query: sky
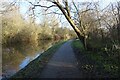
x: 24, y: 6
x: 103, y: 3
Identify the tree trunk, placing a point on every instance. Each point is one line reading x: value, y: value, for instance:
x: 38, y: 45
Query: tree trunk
x: 80, y: 35
x: 118, y: 28
x: 85, y: 43
x: 83, y: 39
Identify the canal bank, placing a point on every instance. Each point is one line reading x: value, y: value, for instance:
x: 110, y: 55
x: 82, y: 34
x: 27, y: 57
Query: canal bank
x: 37, y: 64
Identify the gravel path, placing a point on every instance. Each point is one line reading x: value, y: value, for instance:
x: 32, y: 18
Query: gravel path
x: 63, y: 64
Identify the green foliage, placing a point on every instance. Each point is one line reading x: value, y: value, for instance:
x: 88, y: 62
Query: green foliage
x: 78, y: 44
x: 111, y: 68
x: 100, y: 63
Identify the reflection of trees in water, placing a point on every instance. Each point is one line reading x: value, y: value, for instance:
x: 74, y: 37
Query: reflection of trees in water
x: 11, y: 57
x: 44, y: 44
x: 14, y: 55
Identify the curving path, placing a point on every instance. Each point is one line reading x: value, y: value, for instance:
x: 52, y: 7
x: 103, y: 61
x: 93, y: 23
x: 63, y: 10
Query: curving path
x: 63, y: 64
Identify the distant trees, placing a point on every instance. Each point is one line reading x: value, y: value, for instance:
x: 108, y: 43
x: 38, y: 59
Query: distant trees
x: 17, y: 30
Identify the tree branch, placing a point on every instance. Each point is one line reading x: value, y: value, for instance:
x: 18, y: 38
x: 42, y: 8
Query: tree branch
x: 67, y: 8
x: 68, y: 18
x: 38, y: 5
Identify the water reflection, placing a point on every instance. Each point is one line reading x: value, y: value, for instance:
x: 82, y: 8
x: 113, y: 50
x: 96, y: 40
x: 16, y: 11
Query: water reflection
x: 24, y: 62
x: 17, y: 56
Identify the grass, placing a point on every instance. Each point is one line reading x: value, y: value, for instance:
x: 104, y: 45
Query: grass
x: 34, y: 68
x: 93, y: 64
x: 78, y: 44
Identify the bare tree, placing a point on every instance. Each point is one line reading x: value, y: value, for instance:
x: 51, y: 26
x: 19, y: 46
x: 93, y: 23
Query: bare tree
x: 66, y: 12
x: 65, y: 7
x: 112, y: 21
x: 118, y: 20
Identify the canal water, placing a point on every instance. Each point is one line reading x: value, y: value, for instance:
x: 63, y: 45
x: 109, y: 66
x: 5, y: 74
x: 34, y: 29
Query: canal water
x: 17, y: 57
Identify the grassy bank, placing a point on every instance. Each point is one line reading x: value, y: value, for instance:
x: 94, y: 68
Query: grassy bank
x: 34, y: 68
x: 95, y: 64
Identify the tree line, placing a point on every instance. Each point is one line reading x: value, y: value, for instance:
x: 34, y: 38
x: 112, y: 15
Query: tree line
x: 17, y: 30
